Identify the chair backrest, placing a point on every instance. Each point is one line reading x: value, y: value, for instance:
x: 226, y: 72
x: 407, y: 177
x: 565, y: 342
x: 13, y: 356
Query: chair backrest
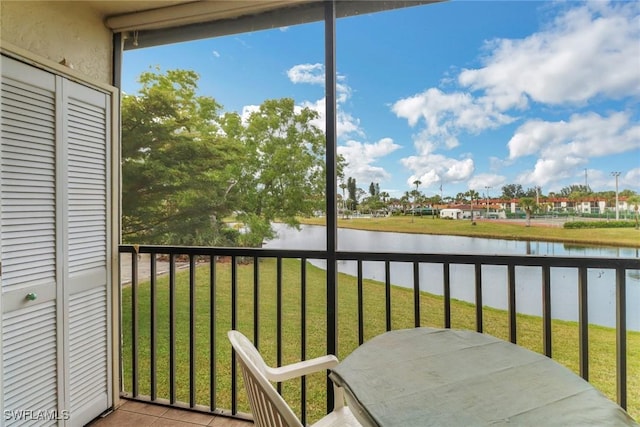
x: 268, y: 407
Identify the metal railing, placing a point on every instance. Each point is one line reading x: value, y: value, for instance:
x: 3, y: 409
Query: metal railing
x: 162, y: 319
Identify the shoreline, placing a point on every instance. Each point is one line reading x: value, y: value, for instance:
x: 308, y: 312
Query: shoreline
x: 517, y: 229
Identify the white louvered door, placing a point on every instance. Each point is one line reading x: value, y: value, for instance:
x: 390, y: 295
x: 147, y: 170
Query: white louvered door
x: 87, y: 113
x: 54, y: 177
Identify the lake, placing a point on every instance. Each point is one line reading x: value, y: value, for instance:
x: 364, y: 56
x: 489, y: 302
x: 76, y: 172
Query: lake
x: 564, y: 281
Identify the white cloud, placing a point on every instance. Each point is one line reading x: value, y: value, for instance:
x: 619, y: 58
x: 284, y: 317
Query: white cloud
x: 587, y: 55
x: 215, y: 53
x: 446, y: 115
x: 314, y: 74
x: 562, y: 146
x: 247, y: 110
x: 589, y: 51
x: 629, y: 179
x: 307, y: 73
x: 481, y: 181
x: 361, y: 158
x: 433, y: 169
x: 547, y: 170
x: 346, y: 124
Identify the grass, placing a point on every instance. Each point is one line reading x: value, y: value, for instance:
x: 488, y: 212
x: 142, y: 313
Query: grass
x: 492, y: 229
x: 565, y: 334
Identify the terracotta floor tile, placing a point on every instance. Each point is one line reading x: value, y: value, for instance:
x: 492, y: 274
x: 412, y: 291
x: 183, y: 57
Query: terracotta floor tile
x: 141, y: 414
x: 229, y: 422
x: 143, y: 408
x: 166, y: 422
x: 187, y: 416
x: 125, y: 419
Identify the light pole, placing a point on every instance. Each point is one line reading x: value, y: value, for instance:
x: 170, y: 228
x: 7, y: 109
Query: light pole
x: 487, y: 187
x: 616, y: 175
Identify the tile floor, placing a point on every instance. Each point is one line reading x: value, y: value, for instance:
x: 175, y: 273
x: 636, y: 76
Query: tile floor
x: 139, y: 414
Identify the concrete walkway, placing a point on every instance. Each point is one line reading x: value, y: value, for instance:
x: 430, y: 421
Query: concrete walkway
x: 144, y: 267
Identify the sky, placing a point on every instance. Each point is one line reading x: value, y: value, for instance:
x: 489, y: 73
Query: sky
x: 458, y: 95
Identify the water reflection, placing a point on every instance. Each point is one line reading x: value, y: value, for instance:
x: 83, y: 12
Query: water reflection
x: 564, y: 281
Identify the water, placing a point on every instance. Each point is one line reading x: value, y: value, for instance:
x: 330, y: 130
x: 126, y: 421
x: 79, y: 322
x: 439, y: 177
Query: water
x: 564, y: 281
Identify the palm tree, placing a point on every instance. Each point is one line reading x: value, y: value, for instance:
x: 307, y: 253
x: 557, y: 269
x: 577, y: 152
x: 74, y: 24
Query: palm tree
x: 635, y: 202
x: 384, y: 195
x: 405, y: 201
x: 473, y: 195
x: 415, y: 194
x: 528, y: 204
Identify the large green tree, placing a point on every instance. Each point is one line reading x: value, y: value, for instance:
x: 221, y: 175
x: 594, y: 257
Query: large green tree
x: 176, y: 164
x: 186, y: 166
x: 281, y: 174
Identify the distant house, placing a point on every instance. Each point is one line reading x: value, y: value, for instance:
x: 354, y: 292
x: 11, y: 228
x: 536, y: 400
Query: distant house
x: 451, y: 213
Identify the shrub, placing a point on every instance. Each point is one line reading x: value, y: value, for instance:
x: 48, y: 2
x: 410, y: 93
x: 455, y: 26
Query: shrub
x: 600, y: 224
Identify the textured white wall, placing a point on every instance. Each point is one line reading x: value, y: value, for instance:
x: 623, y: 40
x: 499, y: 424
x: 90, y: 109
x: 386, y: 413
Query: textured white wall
x: 59, y: 30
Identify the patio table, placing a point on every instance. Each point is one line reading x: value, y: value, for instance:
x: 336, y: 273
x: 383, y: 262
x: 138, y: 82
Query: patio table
x: 445, y: 377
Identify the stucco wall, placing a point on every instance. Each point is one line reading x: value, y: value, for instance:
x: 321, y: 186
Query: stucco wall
x: 72, y: 31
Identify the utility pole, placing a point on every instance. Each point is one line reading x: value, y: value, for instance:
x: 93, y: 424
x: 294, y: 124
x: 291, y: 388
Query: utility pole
x: 616, y: 175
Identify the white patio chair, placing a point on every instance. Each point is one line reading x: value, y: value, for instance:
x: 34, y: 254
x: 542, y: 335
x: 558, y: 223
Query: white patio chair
x: 268, y: 407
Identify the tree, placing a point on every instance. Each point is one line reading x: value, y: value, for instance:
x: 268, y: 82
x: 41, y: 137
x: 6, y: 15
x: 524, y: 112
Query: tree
x: 634, y: 201
x: 374, y: 189
x: 282, y: 173
x: 473, y: 195
x: 528, y: 204
x: 435, y: 200
x: 352, y: 190
x: 405, y: 201
x: 186, y: 166
x: 415, y: 194
x: 176, y: 166
x: 512, y: 191
x: 568, y: 191
x: 385, y: 196
x: 531, y: 192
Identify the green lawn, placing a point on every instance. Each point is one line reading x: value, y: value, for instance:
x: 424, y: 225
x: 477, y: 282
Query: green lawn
x: 565, y: 334
x: 511, y: 230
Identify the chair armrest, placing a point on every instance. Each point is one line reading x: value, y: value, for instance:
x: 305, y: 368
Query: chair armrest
x: 300, y: 369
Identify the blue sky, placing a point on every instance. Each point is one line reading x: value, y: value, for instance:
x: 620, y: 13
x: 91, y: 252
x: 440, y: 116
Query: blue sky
x: 460, y: 95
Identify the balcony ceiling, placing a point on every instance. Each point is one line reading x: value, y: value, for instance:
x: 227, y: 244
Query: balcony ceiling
x: 145, y: 15
x: 152, y: 23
